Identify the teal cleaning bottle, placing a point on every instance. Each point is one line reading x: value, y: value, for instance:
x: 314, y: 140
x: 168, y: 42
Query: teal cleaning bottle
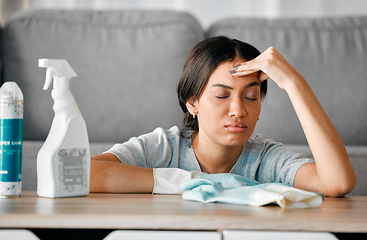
x: 11, y: 140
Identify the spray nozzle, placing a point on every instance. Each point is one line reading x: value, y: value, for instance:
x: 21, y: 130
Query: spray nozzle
x: 58, y: 70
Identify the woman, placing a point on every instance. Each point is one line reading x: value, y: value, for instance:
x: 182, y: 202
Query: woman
x: 220, y: 91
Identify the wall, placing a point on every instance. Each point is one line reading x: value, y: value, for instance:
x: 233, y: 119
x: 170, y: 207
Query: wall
x: 207, y: 11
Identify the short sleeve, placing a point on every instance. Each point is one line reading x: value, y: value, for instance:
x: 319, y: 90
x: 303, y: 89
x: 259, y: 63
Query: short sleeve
x: 279, y: 164
x: 154, y: 149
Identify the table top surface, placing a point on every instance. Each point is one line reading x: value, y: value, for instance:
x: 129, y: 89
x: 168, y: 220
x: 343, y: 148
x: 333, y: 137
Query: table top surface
x: 170, y: 212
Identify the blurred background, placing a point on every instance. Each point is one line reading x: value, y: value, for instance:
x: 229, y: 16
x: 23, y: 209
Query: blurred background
x: 206, y: 11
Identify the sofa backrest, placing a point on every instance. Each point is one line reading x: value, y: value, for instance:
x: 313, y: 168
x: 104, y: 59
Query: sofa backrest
x: 128, y: 72
x: 330, y: 53
x: 128, y: 65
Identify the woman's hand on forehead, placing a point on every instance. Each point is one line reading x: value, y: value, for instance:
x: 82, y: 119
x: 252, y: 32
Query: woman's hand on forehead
x: 239, y: 71
x: 271, y: 64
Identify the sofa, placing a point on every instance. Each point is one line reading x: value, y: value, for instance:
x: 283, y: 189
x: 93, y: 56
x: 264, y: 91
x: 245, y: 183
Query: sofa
x: 129, y: 62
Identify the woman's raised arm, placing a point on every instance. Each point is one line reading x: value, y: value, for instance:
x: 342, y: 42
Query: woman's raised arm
x: 332, y: 173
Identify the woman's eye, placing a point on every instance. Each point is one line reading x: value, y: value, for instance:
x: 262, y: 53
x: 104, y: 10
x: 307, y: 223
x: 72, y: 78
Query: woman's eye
x: 222, y: 97
x: 251, y: 99
x: 222, y: 94
x: 251, y: 96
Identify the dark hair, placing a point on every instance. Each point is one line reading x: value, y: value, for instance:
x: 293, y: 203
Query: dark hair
x: 201, y: 62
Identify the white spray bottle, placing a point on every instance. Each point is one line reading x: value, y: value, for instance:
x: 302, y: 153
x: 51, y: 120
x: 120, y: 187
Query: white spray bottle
x: 63, y: 162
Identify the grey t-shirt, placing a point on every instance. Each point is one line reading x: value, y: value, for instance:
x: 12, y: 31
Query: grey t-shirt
x: 262, y: 160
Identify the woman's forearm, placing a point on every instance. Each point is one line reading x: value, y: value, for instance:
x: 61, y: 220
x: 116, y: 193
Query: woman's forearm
x: 115, y: 177
x: 333, y: 173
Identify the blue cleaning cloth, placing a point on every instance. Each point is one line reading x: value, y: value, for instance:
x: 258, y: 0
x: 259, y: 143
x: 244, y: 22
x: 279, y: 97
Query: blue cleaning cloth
x: 229, y: 180
x: 230, y: 188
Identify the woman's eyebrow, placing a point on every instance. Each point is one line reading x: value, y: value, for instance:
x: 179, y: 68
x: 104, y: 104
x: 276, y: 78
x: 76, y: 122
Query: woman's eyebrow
x: 222, y: 86
x: 252, y: 84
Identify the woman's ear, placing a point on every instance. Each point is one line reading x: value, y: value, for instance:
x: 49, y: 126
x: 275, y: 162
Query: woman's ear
x: 191, y: 106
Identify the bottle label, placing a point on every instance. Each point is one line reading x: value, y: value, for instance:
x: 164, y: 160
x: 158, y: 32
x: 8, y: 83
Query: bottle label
x: 72, y: 171
x: 11, y: 139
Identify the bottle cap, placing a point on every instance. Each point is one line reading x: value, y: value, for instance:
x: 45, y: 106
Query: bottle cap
x: 10, y: 92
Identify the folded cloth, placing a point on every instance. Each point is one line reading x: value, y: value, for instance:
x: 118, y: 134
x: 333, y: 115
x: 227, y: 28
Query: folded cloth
x: 230, y: 188
x: 249, y: 193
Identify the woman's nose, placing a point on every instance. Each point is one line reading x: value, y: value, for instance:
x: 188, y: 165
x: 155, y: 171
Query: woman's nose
x: 237, y: 108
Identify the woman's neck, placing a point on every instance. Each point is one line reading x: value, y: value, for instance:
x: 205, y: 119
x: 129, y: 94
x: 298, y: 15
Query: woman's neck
x: 215, y: 158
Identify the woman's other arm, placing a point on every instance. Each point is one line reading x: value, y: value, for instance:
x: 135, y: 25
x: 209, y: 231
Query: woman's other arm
x: 108, y: 174
x: 332, y: 173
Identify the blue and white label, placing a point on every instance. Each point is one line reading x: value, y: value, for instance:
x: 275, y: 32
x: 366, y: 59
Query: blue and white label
x: 11, y: 141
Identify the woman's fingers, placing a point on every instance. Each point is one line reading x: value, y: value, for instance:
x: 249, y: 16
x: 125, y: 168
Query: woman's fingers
x: 242, y: 73
x: 262, y: 76
x: 244, y: 69
x: 249, y: 67
x: 255, y: 65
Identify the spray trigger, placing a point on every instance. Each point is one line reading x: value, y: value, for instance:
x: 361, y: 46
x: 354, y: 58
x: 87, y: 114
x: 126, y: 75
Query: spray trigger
x: 57, y: 69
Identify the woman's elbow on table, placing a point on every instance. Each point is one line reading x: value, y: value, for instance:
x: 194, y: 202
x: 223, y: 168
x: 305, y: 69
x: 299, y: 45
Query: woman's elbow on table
x: 331, y: 184
x: 341, y: 188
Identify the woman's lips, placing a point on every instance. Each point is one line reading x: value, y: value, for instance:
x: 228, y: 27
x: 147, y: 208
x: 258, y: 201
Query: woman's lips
x: 236, y: 127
